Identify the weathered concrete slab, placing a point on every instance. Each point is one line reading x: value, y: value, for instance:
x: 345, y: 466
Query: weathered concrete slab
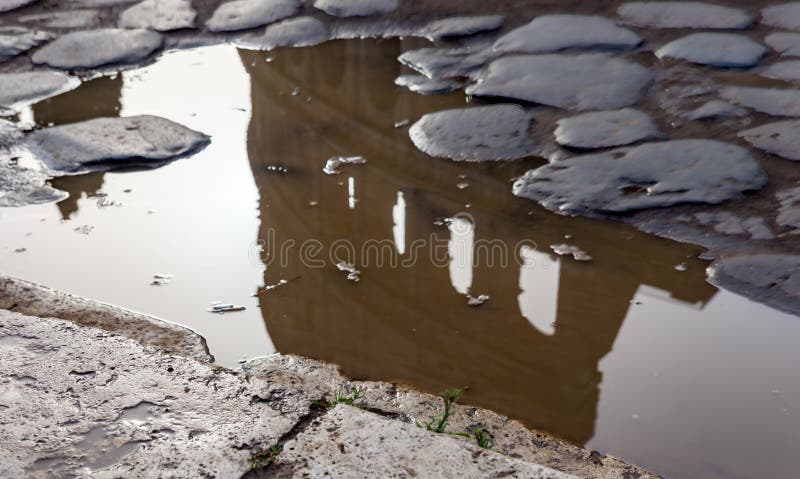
x: 784, y: 15
x: 731, y: 224
x: 647, y: 176
x: 73, y: 18
x: 8, y: 5
x: 294, y: 32
x: 787, y: 44
x: 485, y: 133
x: 356, y: 8
x: 78, y: 401
x: 34, y: 300
x: 348, y: 442
x: 245, y: 14
x: 789, y: 210
x: 427, y: 86
x: 773, y: 279
x: 726, y: 50
x: 684, y: 15
x: 96, y: 48
x: 787, y: 71
x: 317, y: 379
x: 781, y: 138
x: 552, y: 33
x: 603, y: 129
x: 715, y: 109
x: 104, y: 143
x: 17, y: 40
x: 461, y: 26
x: 160, y: 15
x: 18, y: 90
x: 590, y: 81
x: 21, y: 183
x: 772, y: 101
x: 444, y: 62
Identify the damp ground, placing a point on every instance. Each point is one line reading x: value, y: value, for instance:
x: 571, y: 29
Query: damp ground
x: 632, y: 352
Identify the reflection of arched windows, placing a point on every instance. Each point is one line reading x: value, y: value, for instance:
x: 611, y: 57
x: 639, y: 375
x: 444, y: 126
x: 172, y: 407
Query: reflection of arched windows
x: 461, y: 251
x: 538, y: 284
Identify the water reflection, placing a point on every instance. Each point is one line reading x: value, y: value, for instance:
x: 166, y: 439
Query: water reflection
x: 414, y: 324
x: 71, y: 107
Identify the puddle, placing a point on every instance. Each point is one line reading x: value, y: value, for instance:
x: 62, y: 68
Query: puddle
x: 627, y: 353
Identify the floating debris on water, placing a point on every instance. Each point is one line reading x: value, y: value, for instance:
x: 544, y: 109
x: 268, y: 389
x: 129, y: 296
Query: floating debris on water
x: 353, y: 274
x: 270, y: 287
x: 681, y: 267
x: 161, y: 279
x: 106, y: 203
x: 222, y: 308
x: 276, y: 169
x: 333, y: 164
x: 477, y: 301
x: 567, y: 249
x: 402, y: 123
x: 463, y: 185
x: 84, y: 229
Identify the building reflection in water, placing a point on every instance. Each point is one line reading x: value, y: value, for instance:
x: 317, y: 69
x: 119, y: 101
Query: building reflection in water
x: 532, y: 350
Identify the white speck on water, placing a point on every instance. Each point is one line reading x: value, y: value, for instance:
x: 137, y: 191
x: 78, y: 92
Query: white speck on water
x: 682, y: 267
x: 566, y: 249
x: 477, y: 301
x: 333, y: 164
x: 353, y: 274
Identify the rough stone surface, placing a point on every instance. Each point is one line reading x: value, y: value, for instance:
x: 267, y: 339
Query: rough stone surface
x: 789, y: 210
x: 787, y: 71
x: 20, y: 183
x: 772, y: 101
x: 356, y: 8
x: 95, y: 48
x: 715, y: 109
x: 785, y: 15
x: 461, y: 26
x: 787, y: 44
x: 34, y: 300
x: 161, y: 15
x: 727, y: 50
x: 781, y: 138
x: 591, y: 81
x: 773, y: 279
x: 495, y: 132
x: 8, y: 5
x: 77, y: 401
x: 78, y: 18
x: 348, y: 442
x: 426, y: 86
x: 317, y: 379
x: 551, y: 33
x: 684, y: 15
x: 294, y: 32
x: 728, y: 223
x: 603, y: 129
x: 22, y: 89
x: 16, y: 40
x: 647, y: 176
x: 244, y: 14
x: 444, y: 62
x: 102, y: 143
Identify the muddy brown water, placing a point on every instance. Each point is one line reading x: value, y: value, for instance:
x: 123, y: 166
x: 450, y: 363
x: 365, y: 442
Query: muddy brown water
x: 631, y: 353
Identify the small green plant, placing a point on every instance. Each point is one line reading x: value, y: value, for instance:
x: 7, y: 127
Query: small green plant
x: 342, y: 397
x: 266, y: 457
x: 483, y: 437
x: 439, y: 423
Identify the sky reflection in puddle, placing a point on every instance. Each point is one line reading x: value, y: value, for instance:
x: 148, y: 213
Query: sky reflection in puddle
x: 624, y: 352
